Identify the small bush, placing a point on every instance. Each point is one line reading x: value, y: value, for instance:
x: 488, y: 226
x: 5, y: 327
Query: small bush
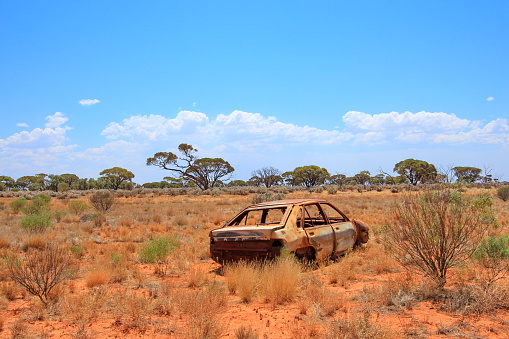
x: 493, y: 255
x: 503, y: 192
x: 102, y: 201
x: 18, y: 204
x: 267, y: 196
x: 437, y: 230
x: 77, y: 207
x: 38, y: 205
x: 41, y: 270
x: 59, y: 215
x: 157, y: 250
x: 36, y: 222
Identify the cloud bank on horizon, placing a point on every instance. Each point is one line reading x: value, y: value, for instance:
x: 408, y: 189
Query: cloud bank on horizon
x: 231, y: 136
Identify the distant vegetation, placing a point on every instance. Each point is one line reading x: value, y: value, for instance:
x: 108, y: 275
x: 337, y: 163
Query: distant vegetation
x: 207, y: 173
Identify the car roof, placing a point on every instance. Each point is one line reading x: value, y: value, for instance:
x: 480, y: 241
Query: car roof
x: 288, y: 202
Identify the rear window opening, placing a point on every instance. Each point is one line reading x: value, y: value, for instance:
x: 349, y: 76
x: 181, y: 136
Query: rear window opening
x: 258, y: 217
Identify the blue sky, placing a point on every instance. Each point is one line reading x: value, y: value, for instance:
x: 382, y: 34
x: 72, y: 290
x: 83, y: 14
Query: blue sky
x: 345, y: 85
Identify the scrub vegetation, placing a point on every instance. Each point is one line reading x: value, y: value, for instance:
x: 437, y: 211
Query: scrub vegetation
x: 135, y: 263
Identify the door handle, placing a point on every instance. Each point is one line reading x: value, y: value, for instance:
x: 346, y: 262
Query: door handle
x: 311, y: 233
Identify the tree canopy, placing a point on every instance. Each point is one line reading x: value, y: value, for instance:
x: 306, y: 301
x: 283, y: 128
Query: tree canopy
x: 311, y: 175
x: 267, y: 176
x: 116, y: 176
x: 416, y: 171
x: 467, y: 174
x: 203, y: 172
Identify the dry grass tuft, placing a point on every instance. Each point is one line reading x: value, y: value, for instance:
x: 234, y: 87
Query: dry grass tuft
x: 245, y: 332
x: 275, y: 281
x: 97, y: 276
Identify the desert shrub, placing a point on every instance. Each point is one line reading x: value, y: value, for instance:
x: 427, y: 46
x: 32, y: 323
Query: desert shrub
x: 437, y: 229
x: 41, y: 270
x: 316, y: 189
x: 493, y: 255
x: 59, y: 215
x: 102, y: 201
x: 331, y: 189
x: 36, y: 222
x: 267, y: 196
x: 77, y: 207
x: 157, y: 250
x: 39, y: 205
x: 503, y: 192
x: 18, y: 204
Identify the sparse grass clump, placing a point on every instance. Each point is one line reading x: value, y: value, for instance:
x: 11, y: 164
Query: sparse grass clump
x: 275, y: 281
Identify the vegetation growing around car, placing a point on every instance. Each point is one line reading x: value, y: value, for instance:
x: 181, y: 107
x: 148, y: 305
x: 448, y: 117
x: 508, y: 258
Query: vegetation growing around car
x: 438, y: 229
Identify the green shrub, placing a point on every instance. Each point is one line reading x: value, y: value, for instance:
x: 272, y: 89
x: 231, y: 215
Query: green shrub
x: 77, y: 207
x: 438, y: 229
x: 38, y: 205
x: 503, y: 192
x: 18, y: 204
x: 157, y: 250
x: 36, y: 222
x: 63, y: 187
x: 493, y: 255
x: 59, y: 215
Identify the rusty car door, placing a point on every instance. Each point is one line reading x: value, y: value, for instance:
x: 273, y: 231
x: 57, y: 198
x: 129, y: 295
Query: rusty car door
x: 343, y: 229
x: 319, y: 232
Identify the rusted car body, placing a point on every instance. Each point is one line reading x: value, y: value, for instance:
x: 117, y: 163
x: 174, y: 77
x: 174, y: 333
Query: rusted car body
x: 311, y: 229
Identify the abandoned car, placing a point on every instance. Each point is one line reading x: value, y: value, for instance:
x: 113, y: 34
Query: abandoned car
x: 311, y: 229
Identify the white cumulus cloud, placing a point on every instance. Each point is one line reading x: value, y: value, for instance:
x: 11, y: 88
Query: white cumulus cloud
x: 490, y: 98
x: 54, y: 134
x: 89, y: 102
x: 157, y: 127
x: 423, y: 127
x: 21, y: 124
x: 56, y: 120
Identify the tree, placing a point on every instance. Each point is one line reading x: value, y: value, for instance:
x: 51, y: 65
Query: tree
x: 309, y: 176
x: 203, y: 172
x: 116, y: 176
x: 363, y: 178
x: 288, y: 178
x: 337, y: 179
x: 69, y: 178
x: 237, y: 183
x: 416, y: 171
x: 437, y: 230
x: 467, y: 174
x: 8, y: 182
x: 31, y: 182
x: 267, y: 176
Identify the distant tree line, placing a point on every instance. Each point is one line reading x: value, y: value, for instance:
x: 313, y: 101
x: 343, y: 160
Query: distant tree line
x: 188, y: 170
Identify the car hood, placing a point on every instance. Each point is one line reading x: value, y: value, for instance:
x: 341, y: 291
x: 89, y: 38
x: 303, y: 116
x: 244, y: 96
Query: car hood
x: 244, y: 233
